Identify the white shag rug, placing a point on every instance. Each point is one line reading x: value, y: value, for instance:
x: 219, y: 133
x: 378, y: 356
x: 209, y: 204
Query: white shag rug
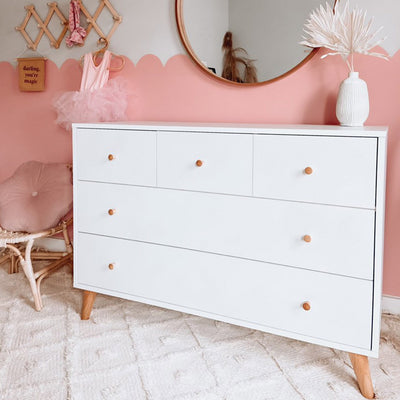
x: 132, y: 351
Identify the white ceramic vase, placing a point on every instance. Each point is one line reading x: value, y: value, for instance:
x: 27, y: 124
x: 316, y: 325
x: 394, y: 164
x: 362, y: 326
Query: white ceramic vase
x: 352, y: 107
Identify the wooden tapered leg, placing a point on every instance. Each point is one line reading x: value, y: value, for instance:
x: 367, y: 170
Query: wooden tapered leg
x: 361, y: 369
x: 87, y: 304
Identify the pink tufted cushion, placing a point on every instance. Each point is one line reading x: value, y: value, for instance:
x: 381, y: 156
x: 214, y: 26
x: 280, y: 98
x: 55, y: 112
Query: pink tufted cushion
x: 35, y: 197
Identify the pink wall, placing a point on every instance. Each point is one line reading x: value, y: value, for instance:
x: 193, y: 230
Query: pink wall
x: 178, y: 91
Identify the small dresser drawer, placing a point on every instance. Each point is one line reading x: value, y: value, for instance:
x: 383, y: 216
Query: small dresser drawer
x: 324, y: 238
x: 328, y: 307
x: 209, y: 162
x: 116, y: 156
x: 328, y: 170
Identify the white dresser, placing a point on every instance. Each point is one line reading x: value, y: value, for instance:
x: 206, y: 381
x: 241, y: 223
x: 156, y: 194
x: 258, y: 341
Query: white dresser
x: 277, y: 228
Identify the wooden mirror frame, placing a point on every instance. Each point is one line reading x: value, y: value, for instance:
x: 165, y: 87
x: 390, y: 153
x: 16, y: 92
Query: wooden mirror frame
x: 185, y: 41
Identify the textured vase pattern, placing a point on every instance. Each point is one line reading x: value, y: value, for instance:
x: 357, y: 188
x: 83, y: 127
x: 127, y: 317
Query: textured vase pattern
x: 352, y: 107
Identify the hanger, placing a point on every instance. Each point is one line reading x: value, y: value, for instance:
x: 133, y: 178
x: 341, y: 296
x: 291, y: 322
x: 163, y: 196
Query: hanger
x: 102, y: 50
x: 100, y: 53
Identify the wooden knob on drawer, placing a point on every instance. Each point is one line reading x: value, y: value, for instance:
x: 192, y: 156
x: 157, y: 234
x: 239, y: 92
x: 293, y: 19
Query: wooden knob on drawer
x: 112, y: 211
x: 111, y: 266
x: 306, y: 306
x: 199, y: 163
x: 111, y: 157
x: 307, y: 238
x: 308, y: 170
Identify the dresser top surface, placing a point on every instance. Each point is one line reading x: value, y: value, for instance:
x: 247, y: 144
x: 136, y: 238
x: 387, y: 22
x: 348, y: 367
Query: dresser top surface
x: 313, y: 130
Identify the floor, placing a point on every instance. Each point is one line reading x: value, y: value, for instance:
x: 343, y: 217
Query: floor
x: 131, y: 351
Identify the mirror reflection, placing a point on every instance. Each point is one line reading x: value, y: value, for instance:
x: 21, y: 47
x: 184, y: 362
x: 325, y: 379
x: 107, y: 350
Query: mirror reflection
x: 245, y: 41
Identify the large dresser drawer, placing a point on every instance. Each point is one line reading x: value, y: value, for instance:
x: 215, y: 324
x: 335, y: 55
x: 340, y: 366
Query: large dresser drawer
x: 118, y: 157
x: 327, y: 170
x: 236, y: 290
x: 332, y: 239
x: 220, y: 163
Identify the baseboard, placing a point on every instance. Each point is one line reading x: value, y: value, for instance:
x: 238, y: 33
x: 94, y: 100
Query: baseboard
x: 391, y: 304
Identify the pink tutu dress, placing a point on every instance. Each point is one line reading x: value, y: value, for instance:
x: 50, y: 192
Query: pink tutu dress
x: 98, y: 100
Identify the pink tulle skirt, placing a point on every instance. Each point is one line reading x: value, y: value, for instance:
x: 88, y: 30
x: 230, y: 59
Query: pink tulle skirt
x: 102, y: 105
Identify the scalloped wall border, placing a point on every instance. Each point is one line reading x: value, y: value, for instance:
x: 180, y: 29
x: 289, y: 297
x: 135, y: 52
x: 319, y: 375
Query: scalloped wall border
x: 179, y: 91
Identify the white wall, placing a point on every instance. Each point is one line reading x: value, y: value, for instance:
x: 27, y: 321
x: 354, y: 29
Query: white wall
x: 386, y: 13
x: 270, y: 32
x: 149, y: 28
x: 206, y: 23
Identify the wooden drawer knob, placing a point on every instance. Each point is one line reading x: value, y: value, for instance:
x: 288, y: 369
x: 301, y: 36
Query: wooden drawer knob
x: 308, y: 170
x: 111, y: 266
x: 306, y: 306
x: 199, y: 163
x: 112, y: 211
x: 307, y: 238
x: 111, y: 157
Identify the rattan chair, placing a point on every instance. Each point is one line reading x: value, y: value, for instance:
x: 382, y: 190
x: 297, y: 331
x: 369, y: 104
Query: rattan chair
x: 34, y: 198
x: 18, y: 249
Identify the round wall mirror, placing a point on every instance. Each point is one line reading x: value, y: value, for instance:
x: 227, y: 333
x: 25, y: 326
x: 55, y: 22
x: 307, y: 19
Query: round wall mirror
x: 245, y: 42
